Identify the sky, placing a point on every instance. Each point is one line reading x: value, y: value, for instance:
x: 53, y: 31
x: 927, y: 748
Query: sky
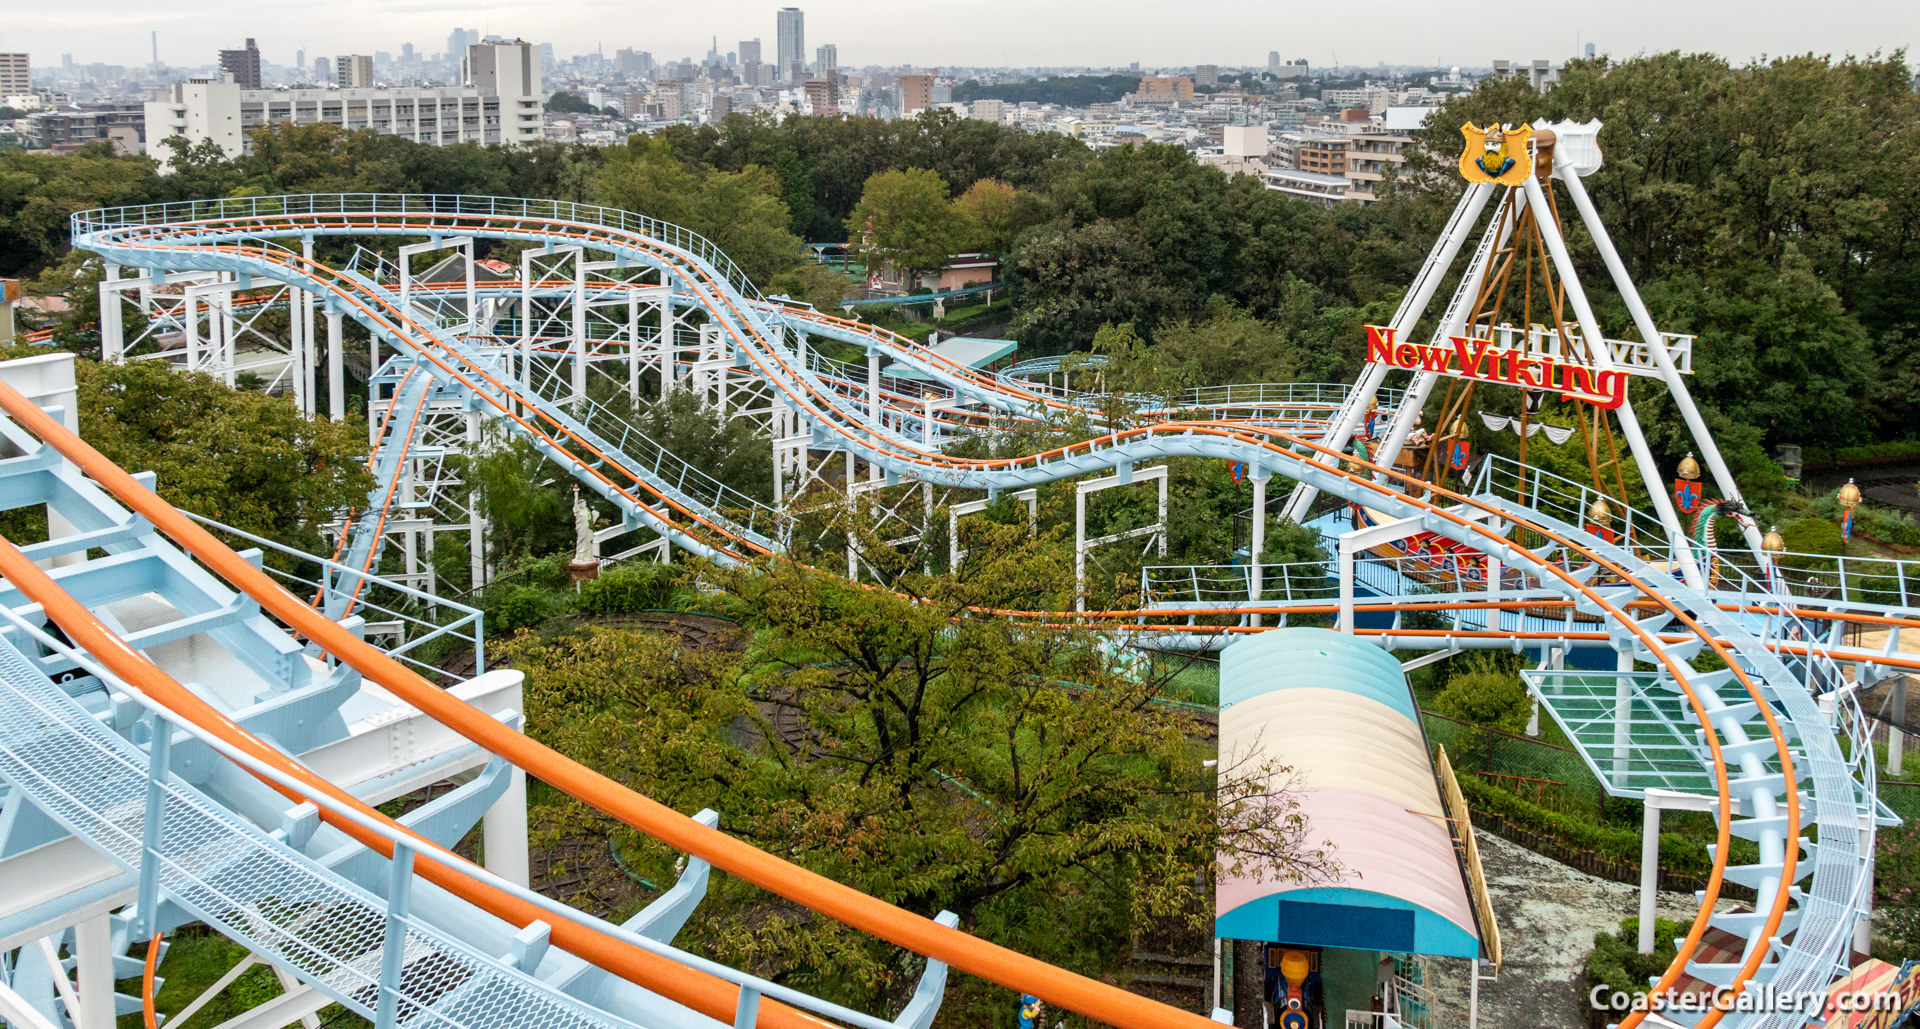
x: 981, y: 32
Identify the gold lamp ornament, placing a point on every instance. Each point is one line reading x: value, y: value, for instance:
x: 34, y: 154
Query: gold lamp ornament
x: 1600, y: 513
x: 1849, y: 495
x: 1689, y: 468
x: 1849, y: 499
x: 1773, y: 542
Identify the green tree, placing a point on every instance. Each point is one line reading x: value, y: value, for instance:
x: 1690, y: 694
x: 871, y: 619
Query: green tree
x: 1484, y: 694
x: 564, y: 102
x: 740, y: 212
x: 38, y: 192
x: 993, y: 217
x: 237, y: 456
x: 1015, y: 774
x: 904, y: 219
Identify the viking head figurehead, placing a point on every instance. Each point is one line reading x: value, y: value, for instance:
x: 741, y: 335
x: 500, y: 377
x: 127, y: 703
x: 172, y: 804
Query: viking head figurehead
x: 1495, y: 140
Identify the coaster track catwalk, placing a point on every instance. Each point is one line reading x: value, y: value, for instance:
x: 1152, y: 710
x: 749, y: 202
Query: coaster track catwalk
x: 1769, y: 725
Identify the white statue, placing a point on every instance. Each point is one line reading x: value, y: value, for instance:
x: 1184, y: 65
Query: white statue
x: 582, y: 530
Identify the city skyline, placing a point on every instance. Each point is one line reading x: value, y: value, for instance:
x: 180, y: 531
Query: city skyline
x: 998, y: 33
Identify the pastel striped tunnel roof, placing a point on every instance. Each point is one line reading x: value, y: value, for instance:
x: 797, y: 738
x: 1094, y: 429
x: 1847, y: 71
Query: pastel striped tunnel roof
x: 1337, y: 713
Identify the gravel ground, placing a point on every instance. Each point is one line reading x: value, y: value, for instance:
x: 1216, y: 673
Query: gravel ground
x: 1548, y: 914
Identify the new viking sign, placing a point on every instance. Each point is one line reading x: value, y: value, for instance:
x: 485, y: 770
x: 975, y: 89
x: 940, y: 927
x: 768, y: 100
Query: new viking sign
x: 1470, y: 358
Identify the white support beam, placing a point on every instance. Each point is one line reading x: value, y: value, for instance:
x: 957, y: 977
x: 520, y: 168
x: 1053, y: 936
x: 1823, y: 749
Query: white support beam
x: 336, y: 370
x: 1354, y: 542
x: 1125, y: 476
x: 93, y: 965
x: 955, y: 512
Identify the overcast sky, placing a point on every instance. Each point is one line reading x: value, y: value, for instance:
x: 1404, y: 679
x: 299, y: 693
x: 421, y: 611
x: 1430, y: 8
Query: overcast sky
x: 979, y: 32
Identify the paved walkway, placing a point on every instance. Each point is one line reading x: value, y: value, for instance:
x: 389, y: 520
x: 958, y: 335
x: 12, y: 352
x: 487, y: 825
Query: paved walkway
x: 1548, y: 916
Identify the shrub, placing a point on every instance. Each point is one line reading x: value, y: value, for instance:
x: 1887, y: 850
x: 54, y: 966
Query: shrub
x: 1679, y: 854
x: 1616, y: 964
x: 523, y: 606
x: 1812, y: 536
x: 629, y: 587
x: 1486, y: 696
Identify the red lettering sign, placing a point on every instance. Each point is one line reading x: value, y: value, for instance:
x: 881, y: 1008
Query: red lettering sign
x: 1471, y: 358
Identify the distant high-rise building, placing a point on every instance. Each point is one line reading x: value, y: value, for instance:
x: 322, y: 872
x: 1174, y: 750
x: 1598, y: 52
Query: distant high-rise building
x: 791, y: 40
x: 722, y: 106
x: 16, y: 75
x: 322, y: 70
x: 353, y: 71
x: 155, y: 38
x: 823, y: 95
x: 750, y: 68
x: 1206, y: 74
x: 299, y: 59
x: 459, y: 40
x: 635, y: 63
x: 916, y: 93
x: 826, y: 58
x: 1134, y: 67
x: 1589, y: 51
x: 1273, y: 61
x: 243, y: 64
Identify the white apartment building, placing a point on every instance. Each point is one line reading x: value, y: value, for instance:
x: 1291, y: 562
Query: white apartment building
x: 1374, y: 100
x: 199, y: 110
x: 510, y: 73
x: 501, y: 103
x: 989, y: 110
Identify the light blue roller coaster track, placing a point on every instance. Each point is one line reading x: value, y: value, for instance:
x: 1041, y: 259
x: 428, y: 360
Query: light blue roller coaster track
x: 1782, y: 748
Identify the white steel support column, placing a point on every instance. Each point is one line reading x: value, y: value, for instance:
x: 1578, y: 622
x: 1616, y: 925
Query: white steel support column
x: 873, y: 385
x: 503, y: 832
x: 669, y: 344
x: 633, y: 349
x: 1897, y: 739
x: 336, y: 370
x: 311, y: 360
x: 579, y: 331
x: 112, y: 326
x: 93, y: 960
x: 1465, y: 215
x: 526, y: 318
x: 503, y: 828
x: 190, y: 328
x: 476, y: 515
x: 1649, y: 872
x: 1650, y: 334
x: 955, y: 512
x: 1352, y: 543
x: 1257, y: 538
x: 1122, y: 476
x: 1622, y: 715
x: 229, y: 349
x: 296, y: 354
x: 1602, y: 358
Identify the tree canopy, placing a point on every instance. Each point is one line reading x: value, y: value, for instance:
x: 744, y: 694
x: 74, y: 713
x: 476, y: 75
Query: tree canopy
x: 904, y: 219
